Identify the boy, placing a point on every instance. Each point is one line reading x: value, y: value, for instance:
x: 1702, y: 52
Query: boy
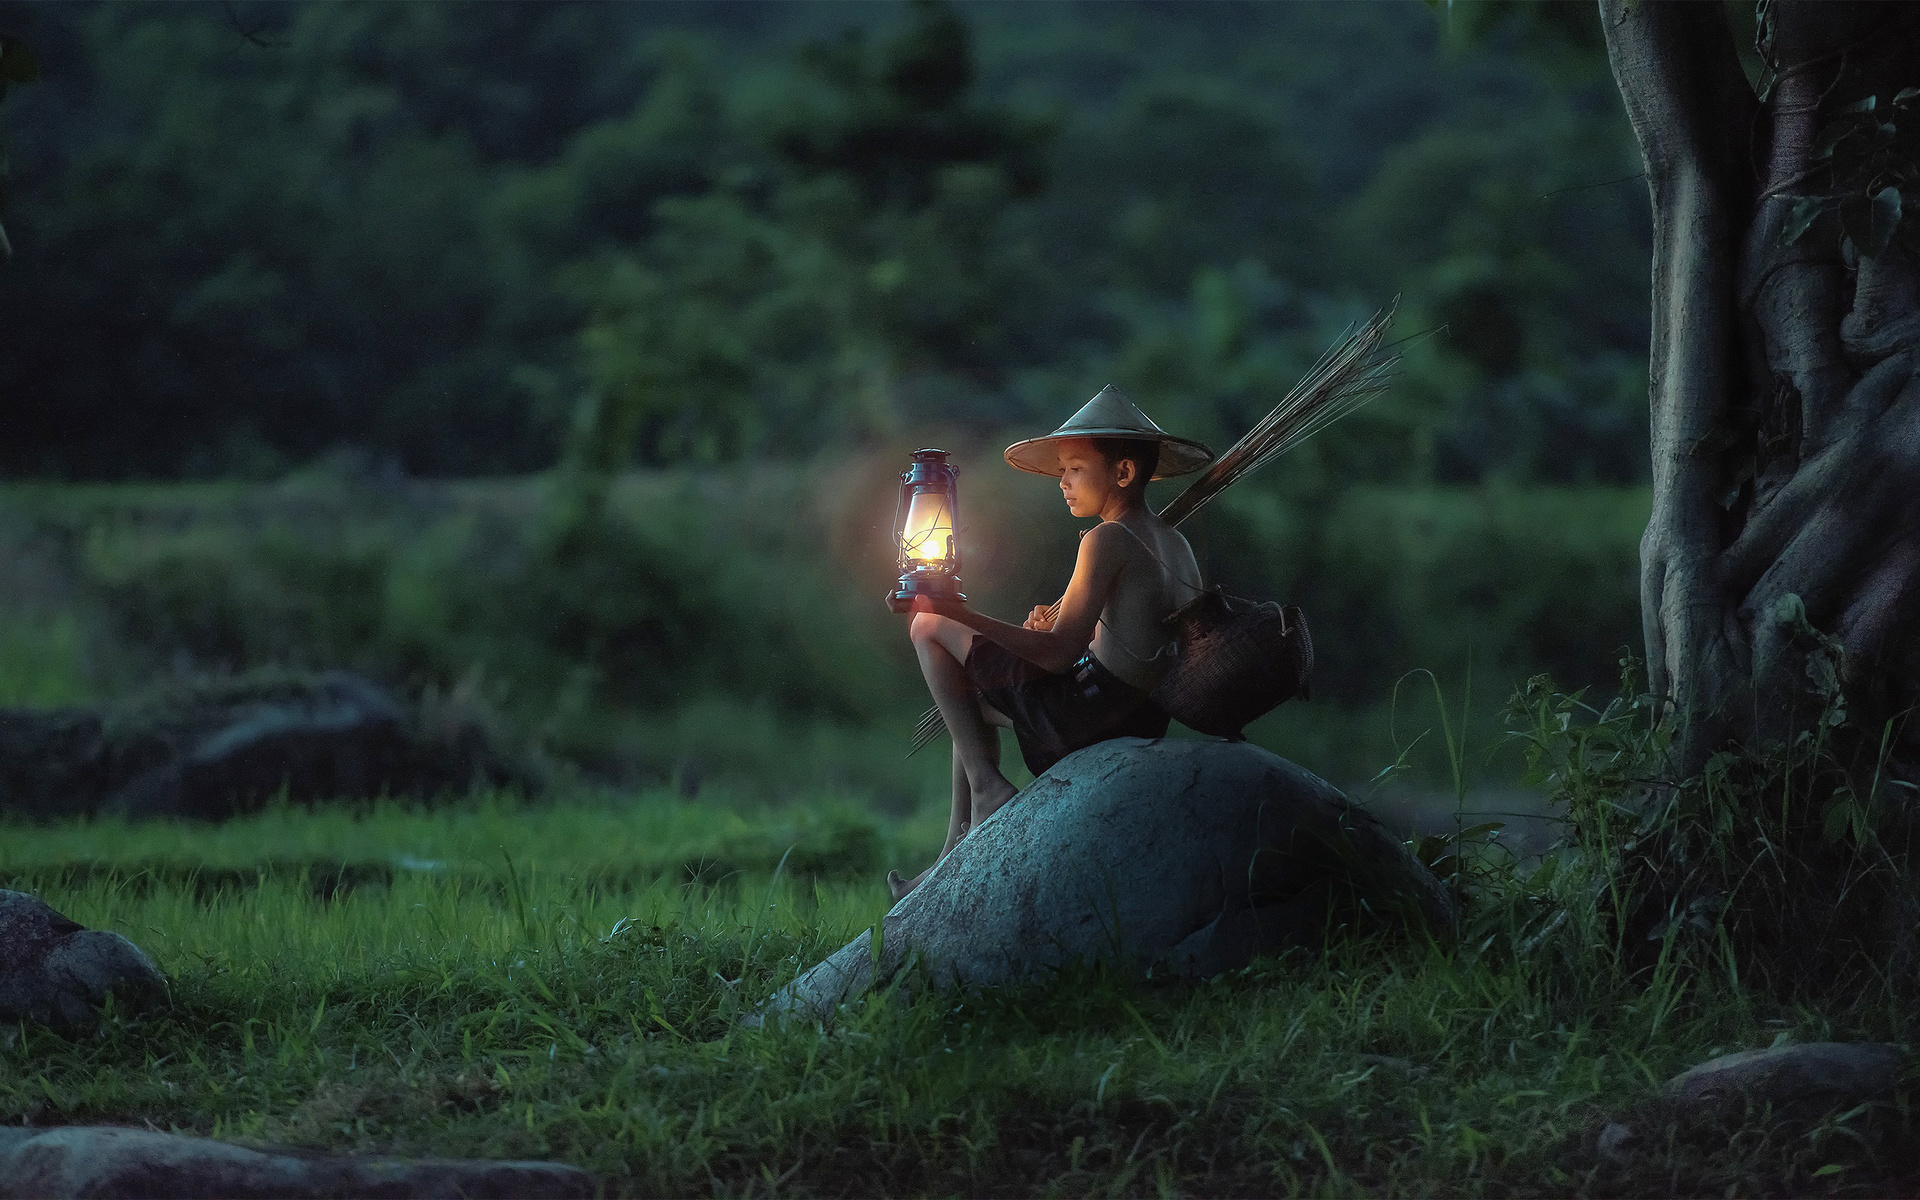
x: 1080, y: 672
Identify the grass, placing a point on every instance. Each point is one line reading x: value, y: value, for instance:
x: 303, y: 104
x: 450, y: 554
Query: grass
x: 565, y: 981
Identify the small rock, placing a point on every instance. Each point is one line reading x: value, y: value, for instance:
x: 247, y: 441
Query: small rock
x: 106, y: 1162
x: 1798, y: 1081
x: 57, y: 973
x: 1388, y: 1062
x: 1613, y: 1140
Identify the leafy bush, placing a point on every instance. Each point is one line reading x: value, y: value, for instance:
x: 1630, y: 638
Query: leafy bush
x: 1783, y: 866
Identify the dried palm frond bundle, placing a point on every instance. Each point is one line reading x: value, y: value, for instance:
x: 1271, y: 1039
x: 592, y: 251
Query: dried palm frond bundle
x: 1226, y: 642
x: 926, y: 729
x: 1355, y: 370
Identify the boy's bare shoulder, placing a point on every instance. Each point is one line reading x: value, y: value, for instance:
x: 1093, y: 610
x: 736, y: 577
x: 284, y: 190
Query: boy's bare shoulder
x: 1106, y: 538
x: 1116, y: 540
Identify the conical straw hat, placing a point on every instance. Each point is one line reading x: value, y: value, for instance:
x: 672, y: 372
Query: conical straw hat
x: 1110, y: 415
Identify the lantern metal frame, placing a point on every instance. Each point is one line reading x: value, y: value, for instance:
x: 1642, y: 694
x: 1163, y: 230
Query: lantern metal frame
x: 929, y: 472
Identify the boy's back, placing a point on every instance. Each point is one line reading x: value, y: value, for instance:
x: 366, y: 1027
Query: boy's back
x: 1160, y: 574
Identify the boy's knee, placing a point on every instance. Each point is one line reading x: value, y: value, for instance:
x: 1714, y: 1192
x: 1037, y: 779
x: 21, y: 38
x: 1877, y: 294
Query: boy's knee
x: 924, y: 628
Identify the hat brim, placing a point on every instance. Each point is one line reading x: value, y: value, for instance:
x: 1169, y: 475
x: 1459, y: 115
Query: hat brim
x: 1040, y: 456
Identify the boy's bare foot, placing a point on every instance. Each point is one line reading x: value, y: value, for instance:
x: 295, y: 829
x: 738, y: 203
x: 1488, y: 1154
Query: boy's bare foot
x: 989, y: 799
x: 900, y: 887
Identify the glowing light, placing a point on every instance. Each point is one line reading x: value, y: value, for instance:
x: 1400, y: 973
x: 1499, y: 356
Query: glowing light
x: 927, y: 539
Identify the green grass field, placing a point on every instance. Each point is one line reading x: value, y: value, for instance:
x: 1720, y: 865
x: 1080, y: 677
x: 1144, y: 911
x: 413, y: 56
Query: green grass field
x: 566, y: 981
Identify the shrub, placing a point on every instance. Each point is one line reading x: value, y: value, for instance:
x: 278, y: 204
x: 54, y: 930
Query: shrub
x: 1784, y: 865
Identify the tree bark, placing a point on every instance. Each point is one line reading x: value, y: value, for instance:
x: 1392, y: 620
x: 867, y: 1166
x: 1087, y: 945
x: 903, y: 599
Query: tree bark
x: 1784, y: 396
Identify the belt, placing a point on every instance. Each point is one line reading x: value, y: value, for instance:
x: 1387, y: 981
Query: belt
x: 1093, y: 677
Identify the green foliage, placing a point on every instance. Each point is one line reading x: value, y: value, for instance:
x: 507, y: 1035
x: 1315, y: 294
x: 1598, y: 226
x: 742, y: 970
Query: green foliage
x: 1588, y: 759
x: 1488, y: 228
x: 1781, y: 864
x: 1865, y: 168
x: 1396, y: 578
x: 1562, y: 37
x: 243, y: 254
x: 690, y: 234
x: 42, y: 661
x: 688, y: 628
x: 866, y: 246
x: 473, y: 589
x: 710, y: 618
x: 1215, y: 179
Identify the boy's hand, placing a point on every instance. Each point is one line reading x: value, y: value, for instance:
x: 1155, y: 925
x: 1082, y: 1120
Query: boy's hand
x: 937, y: 605
x: 1041, y: 619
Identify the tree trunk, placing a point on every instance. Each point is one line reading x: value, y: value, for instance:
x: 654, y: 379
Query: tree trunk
x: 1784, y: 394
x: 1778, y: 570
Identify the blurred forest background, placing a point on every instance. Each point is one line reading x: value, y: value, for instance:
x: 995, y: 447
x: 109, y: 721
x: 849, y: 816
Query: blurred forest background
x: 553, y: 361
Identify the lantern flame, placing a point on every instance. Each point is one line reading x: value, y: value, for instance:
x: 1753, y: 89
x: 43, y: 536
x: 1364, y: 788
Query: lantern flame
x: 927, y: 539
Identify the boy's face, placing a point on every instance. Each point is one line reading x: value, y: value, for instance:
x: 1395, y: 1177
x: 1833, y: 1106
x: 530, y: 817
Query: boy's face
x: 1086, y: 477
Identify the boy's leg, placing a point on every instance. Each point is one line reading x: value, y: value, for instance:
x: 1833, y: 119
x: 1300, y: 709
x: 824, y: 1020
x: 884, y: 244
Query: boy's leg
x: 942, y: 645
x: 959, y: 820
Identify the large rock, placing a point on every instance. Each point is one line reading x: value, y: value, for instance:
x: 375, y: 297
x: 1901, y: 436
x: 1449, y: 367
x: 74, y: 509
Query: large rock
x: 58, y: 973
x: 105, y: 1163
x: 1189, y: 857
x: 213, y: 748
x: 1799, y: 1081
x: 340, y: 736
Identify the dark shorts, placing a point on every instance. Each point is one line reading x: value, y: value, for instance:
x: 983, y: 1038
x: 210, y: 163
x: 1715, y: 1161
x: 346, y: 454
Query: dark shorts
x: 1054, y: 715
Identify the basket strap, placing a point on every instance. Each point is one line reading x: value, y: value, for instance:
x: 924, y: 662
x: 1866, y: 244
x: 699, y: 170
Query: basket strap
x: 1053, y: 610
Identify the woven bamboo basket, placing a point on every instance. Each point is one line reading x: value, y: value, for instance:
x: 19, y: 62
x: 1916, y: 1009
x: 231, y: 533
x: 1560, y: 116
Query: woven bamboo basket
x: 1239, y: 659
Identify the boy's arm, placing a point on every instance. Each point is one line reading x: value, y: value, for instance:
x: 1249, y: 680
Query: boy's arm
x: 1094, y: 575
x: 1043, y: 615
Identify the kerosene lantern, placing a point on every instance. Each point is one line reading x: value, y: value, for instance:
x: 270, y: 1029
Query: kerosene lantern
x: 925, y: 525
